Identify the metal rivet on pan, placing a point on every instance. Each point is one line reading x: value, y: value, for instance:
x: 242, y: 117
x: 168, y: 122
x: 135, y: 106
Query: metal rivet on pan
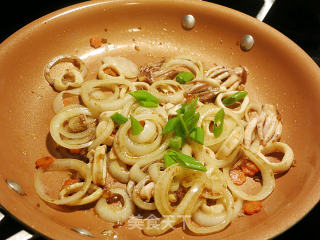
x: 83, y: 231
x: 246, y: 43
x: 188, y: 22
x: 15, y: 186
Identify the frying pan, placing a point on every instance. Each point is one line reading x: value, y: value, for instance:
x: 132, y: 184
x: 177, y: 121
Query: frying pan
x: 279, y: 73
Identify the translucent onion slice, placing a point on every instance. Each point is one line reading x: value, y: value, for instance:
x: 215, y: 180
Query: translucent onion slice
x: 68, y: 78
x: 268, y: 181
x: 78, y: 74
x: 229, y: 148
x: 162, y: 187
x: 207, y: 113
x: 188, y: 62
x: 141, y: 85
x: 136, y: 109
x: 96, y: 193
x: 168, y: 91
x: 136, y: 195
x: 79, y: 138
x: 98, y: 164
x: 184, y: 208
x: 137, y: 170
x: 212, y: 220
x: 240, y: 110
x: 150, y: 144
x: 286, y: 161
x: 103, y: 132
x: 58, y: 101
x: 155, y: 170
x: 106, y: 95
x: 117, y: 169
x: 124, y: 68
x: 63, y: 165
x: 112, y: 213
x: 252, y: 107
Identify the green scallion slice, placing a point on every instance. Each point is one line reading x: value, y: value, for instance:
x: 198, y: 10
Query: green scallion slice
x: 184, y: 77
x: 234, y: 98
x: 171, y: 125
x: 143, y: 95
x: 218, y: 123
x: 136, y: 127
x: 175, y: 142
x: 119, y: 118
x: 186, y: 161
x: 169, y: 159
x: 148, y: 104
x: 197, y: 135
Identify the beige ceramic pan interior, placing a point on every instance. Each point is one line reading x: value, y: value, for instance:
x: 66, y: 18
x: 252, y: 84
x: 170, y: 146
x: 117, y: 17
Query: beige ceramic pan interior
x: 279, y: 73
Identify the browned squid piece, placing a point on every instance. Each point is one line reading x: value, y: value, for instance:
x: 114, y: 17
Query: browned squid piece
x: 167, y: 69
x: 263, y: 125
x: 150, y: 71
x: 218, y: 79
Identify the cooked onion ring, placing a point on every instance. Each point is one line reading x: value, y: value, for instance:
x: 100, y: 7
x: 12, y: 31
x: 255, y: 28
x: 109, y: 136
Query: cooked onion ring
x: 94, y: 196
x: 115, y: 214
x: 136, y: 196
x: 267, y: 179
x: 93, y: 96
x: 287, y: 159
x: 63, y: 165
x: 73, y: 127
x: 79, y: 75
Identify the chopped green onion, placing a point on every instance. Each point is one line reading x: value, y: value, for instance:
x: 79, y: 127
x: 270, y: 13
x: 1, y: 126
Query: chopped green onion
x: 189, y: 108
x: 186, y: 161
x: 184, y: 77
x: 169, y: 159
x: 234, y: 98
x: 143, y: 96
x: 197, y: 135
x: 218, y: 123
x: 136, y: 127
x: 171, y: 125
x: 119, y: 118
x: 191, y: 122
x: 183, y: 124
x: 175, y: 142
x: 148, y: 104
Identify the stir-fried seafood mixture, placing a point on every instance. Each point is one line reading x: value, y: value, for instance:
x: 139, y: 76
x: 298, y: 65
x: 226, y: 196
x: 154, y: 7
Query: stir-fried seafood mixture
x: 169, y: 137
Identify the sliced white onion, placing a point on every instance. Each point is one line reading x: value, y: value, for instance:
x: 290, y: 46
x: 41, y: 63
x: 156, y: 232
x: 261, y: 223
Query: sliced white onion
x: 79, y: 74
x: 136, y: 195
x: 124, y: 67
x: 268, y: 181
x: 96, y: 193
x: 151, y: 144
x: 184, y: 208
x: 112, y: 213
x: 69, y: 139
x: 92, y: 94
x: 286, y: 161
x: 168, y: 91
x: 185, y: 62
x: 98, y: 163
x: 63, y: 165
x: 103, y: 132
x: 117, y: 169
x: 243, y: 105
x: 58, y: 101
